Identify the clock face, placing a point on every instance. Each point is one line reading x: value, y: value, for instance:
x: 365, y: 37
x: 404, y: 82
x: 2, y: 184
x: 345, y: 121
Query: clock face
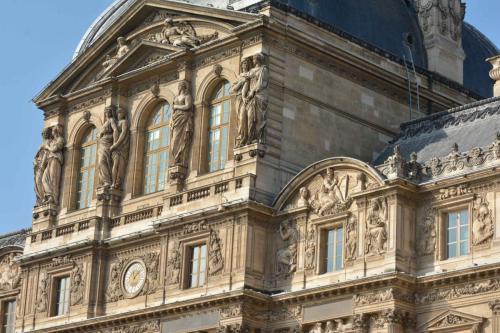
x: 134, y: 278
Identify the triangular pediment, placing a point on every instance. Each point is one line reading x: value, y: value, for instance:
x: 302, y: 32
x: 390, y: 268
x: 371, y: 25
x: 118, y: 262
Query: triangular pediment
x: 451, y: 319
x: 146, y: 32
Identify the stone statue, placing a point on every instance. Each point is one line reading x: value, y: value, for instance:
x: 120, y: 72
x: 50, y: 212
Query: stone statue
x: 121, y: 51
x: 304, y: 197
x: 310, y: 248
x: 427, y: 242
x: 10, y: 273
x: 330, y: 327
x: 343, y: 327
x: 106, y: 140
x: 241, y: 89
x: 39, y: 165
x: 182, y: 125
x: 51, y: 177
x: 181, y: 35
x: 376, y: 234
x: 317, y: 328
x: 482, y: 225
x: 351, y: 238
x: 287, y: 256
x: 257, y: 100
x: 120, y: 149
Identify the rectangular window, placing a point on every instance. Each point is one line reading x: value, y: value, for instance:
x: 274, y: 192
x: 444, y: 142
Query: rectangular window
x: 61, y: 306
x: 198, y: 266
x: 334, y: 259
x: 9, y: 317
x: 457, y: 234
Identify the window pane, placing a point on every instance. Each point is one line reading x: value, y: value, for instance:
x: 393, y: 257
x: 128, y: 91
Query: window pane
x: 9, y: 316
x: 464, y: 248
x: 452, y: 250
x: 464, y: 218
x: 86, y: 171
x: 452, y: 220
x: 452, y: 235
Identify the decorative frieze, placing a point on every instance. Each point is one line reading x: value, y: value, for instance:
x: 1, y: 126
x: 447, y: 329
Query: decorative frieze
x: 454, y: 292
x: 381, y: 296
x: 152, y: 326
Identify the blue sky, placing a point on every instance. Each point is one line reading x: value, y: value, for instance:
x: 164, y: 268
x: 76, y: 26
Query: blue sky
x: 38, y: 39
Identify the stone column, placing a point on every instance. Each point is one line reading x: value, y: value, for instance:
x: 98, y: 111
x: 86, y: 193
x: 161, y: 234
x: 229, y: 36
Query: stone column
x: 495, y: 318
x: 360, y: 323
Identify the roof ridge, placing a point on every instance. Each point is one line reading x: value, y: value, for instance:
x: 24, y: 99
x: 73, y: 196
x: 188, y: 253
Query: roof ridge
x: 18, y: 232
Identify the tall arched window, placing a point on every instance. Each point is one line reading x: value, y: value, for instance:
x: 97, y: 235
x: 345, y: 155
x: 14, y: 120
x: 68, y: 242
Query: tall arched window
x: 87, y: 169
x: 156, y: 150
x: 218, y: 131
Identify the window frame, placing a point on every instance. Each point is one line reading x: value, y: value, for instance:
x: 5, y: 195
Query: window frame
x: 4, y: 313
x: 185, y: 245
x: 213, y: 101
x: 145, y: 152
x: 323, y: 225
x: 458, y: 227
x: 81, y: 169
x: 199, y: 272
x: 443, y: 208
x: 326, y: 250
x: 55, y: 295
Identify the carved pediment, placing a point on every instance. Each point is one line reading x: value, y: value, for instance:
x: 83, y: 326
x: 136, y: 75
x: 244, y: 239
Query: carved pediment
x: 452, y: 319
x: 327, y: 187
x: 143, y: 34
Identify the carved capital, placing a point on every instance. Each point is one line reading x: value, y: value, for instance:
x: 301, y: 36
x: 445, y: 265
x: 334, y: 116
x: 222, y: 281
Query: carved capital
x: 495, y: 307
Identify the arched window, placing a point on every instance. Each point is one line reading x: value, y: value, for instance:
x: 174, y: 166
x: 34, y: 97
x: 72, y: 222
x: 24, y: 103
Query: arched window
x: 156, y: 150
x: 87, y: 169
x: 218, y: 127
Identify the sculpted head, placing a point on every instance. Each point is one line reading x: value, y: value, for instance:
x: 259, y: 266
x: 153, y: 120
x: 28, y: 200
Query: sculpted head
x: 121, y: 41
x: 183, y: 87
x: 168, y: 22
x: 47, y: 133
x: 109, y: 112
x: 122, y: 113
x: 259, y: 59
x: 57, y: 131
x: 246, y: 64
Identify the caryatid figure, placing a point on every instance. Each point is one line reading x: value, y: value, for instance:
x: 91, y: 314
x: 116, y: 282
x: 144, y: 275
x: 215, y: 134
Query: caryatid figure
x: 106, y: 141
x: 182, y: 125
x: 39, y: 165
x: 258, y: 100
x: 241, y: 89
x: 120, y: 149
x: 51, y: 178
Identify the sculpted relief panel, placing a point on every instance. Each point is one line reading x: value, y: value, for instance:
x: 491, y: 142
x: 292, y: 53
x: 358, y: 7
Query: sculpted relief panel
x: 10, y: 273
x: 376, y: 227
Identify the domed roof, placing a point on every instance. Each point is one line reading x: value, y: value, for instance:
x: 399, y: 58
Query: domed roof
x: 477, y: 49
x: 382, y: 23
x: 386, y: 24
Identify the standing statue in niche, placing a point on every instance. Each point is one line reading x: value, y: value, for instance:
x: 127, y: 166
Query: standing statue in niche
x: 182, y: 125
x: 310, y: 248
x: 51, y: 177
x: 241, y: 89
x: 39, y: 165
x: 287, y: 256
x: 351, y: 238
x: 376, y: 234
x: 106, y: 140
x: 258, y: 100
x: 120, y: 149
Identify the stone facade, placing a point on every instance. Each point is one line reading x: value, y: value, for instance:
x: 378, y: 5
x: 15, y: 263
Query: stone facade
x: 297, y: 93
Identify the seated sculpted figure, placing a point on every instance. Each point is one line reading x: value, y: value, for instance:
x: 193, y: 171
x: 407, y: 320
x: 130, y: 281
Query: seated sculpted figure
x: 178, y: 36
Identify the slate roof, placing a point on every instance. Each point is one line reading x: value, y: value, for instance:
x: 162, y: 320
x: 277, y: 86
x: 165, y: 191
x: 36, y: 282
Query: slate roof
x: 470, y: 126
x: 14, y: 239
